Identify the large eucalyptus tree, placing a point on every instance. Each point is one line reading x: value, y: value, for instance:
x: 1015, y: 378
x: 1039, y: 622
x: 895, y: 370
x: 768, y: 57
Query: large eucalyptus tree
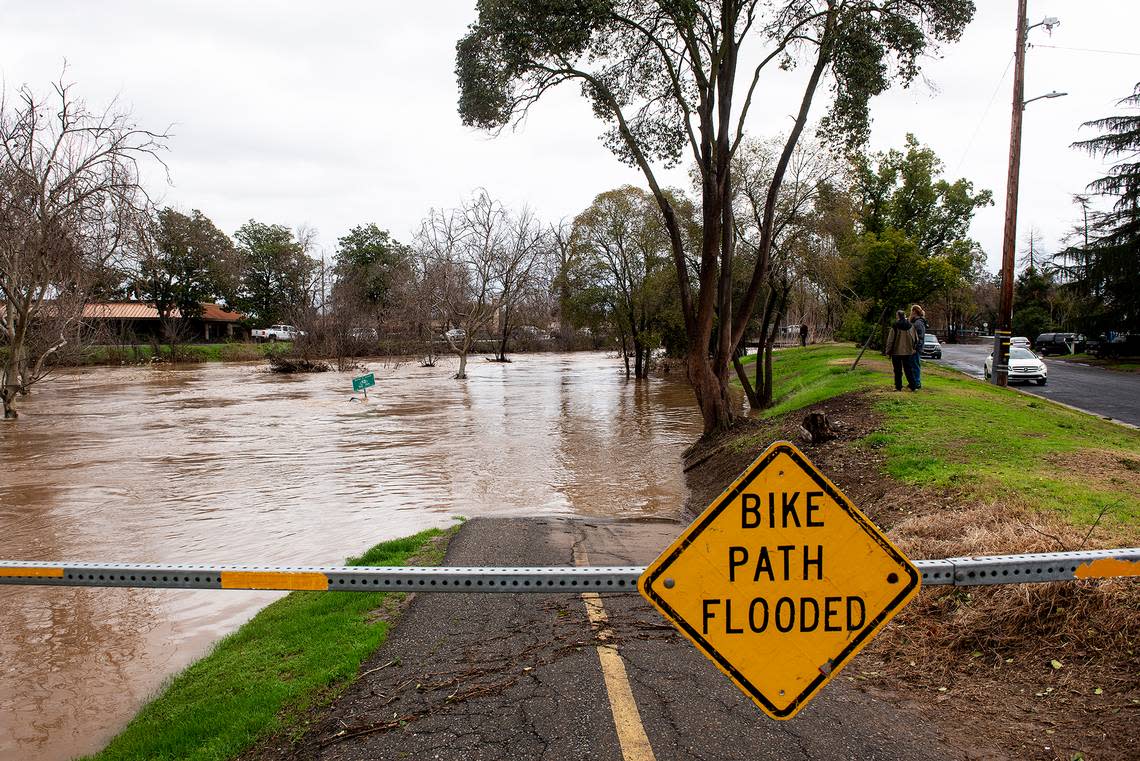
x: 663, y: 75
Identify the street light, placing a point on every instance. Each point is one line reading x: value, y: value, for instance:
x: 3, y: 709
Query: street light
x: 1053, y: 94
x: 1048, y: 22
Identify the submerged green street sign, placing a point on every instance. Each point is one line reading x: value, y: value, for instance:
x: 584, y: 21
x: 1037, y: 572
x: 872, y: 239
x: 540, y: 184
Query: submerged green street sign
x: 360, y: 383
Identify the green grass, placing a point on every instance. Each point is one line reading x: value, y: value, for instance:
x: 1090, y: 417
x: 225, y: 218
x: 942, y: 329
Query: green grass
x: 297, y: 653
x: 805, y: 376
x: 961, y: 434
x: 970, y: 435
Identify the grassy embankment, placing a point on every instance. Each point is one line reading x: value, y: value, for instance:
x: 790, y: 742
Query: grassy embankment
x: 965, y: 468
x: 960, y: 433
x: 143, y: 354
x: 297, y: 654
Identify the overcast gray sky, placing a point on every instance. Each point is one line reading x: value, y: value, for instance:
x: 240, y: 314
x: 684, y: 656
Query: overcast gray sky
x: 338, y: 113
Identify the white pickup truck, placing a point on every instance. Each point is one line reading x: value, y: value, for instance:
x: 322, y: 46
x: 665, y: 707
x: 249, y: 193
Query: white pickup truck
x: 276, y: 333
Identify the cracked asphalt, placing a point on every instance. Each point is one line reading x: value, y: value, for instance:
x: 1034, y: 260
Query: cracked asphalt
x: 467, y: 676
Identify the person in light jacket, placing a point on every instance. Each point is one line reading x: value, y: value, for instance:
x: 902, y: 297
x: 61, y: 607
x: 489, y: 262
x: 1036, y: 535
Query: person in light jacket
x: 900, y: 348
x: 918, y: 320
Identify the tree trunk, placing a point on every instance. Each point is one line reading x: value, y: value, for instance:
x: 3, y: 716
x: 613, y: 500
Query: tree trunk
x: 502, y: 356
x: 565, y: 330
x: 625, y: 354
x: 869, y: 337
x: 638, y: 368
x: 8, y: 398
x: 711, y: 390
x: 766, y: 393
x: 763, y: 349
x: 9, y: 383
x: 753, y: 400
x: 774, y: 303
x: 462, y: 374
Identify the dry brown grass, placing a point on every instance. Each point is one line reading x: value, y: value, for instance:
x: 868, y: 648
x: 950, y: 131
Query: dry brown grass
x: 1107, y: 469
x: 981, y: 657
x: 998, y: 648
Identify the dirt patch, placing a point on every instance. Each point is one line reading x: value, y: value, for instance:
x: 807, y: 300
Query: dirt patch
x: 1105, y: 467
x: 1042, y: 671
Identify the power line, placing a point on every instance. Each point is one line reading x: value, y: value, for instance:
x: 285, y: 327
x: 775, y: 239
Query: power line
x: 985, y: 113
x: 1087, y: 50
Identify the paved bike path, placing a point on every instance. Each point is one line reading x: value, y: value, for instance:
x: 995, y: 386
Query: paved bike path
x: 528, y: 676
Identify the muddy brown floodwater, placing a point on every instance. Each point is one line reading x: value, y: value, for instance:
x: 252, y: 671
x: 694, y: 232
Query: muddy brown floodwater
x: 230, y: 464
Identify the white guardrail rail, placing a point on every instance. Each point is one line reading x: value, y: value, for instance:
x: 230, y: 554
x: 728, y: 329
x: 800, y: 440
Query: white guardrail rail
x: 962, y: 571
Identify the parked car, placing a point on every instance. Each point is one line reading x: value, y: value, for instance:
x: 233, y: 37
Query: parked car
x: 930, y: 347
x: 277, y: 333
x: 534, y: 332
x: 1024, y: 365
x: 363, y: 334
x: 1021, y: 341
x: 455, y: 334
x: 1059, y: 343
x: 1113, y: 345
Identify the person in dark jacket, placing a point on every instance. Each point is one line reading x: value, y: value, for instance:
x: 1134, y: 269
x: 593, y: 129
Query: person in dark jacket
x: 803, y: 333
x: 900, y: 348
x: 918, y: 320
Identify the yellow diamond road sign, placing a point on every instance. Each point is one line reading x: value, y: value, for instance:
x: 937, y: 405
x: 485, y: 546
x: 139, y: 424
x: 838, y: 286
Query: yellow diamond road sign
x: 780, y: 581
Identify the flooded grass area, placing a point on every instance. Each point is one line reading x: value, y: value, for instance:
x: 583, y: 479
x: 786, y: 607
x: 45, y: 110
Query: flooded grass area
x: 228, y: 463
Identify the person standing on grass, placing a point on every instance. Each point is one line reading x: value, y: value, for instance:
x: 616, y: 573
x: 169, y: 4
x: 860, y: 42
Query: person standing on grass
x: 900, y: 347
x: 918, y: 320
x: 803, y: 333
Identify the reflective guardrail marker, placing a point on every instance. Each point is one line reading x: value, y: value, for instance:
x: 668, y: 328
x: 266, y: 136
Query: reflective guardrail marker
x: 274, y: 580
x: 780, y: 581
x: 29, y: 572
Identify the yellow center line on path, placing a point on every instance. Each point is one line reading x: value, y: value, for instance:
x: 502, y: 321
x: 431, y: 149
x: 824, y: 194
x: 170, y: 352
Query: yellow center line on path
x: 627, y: 721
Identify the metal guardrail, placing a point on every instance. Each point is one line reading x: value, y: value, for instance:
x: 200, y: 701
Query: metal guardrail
x: 963, y: 571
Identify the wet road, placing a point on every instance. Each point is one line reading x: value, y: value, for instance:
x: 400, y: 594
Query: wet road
x: 1102, y: 392
x: 229, y: 464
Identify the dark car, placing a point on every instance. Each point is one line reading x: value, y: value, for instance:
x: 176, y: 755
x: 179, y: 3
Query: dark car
x: 1114, y: 345
x: 1059, y: 343
x: 930, y: 347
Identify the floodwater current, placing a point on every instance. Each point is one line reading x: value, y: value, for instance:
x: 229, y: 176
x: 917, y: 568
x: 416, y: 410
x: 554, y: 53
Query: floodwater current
x: 231, y: 464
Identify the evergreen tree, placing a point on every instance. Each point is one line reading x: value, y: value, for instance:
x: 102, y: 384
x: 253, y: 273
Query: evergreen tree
x: 1110, y: 262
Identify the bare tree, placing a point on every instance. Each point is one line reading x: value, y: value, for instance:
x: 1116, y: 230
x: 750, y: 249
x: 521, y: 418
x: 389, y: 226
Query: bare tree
x: 520, y: 262
x: 1033, y: 253
x: 565, y: 267
x: 477, y: 254
x: 788, y: 230
x: 420, y: 302
x: 70, y: 204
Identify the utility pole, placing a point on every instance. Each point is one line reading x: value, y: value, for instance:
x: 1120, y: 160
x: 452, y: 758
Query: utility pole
x: 1009, y: 238
x: 1004, y: 328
